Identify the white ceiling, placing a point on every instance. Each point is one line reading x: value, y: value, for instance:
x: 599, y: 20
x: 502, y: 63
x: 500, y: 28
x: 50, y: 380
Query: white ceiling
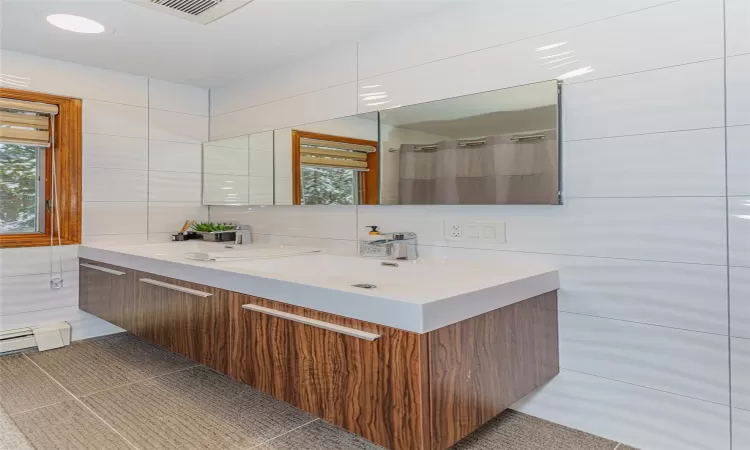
x: 263, y: 34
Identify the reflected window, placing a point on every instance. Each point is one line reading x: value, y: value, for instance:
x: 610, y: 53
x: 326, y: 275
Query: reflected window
x: 329, y: 186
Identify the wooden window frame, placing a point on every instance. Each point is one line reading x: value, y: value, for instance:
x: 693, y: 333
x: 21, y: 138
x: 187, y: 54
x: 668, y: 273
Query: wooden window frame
x: 68, y: 164
x: 370, y: 179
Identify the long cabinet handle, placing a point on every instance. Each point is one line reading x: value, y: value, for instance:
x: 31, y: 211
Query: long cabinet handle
x: 313, y: 322
x: 103, y: 269
x: 174, y: 287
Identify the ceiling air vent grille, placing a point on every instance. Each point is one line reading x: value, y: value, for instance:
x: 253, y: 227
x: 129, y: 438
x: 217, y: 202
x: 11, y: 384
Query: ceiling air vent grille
x: 200, y: 11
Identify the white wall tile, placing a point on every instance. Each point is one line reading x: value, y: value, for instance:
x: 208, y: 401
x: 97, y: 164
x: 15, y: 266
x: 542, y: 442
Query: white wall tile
x: 640, y: 417
x: 739, y: 301
x: 177, y: 127
x: 741, y: 373
x: 261, y: 142
x: 26, y: 293
x: 260, y: 191
x: 225, y: 189
x: 672, y: 99
x: 174, y: 187
x: 337, y: 101
x: 170, y: 217
x: 331, y: 68
x: 603, y: 47
x: 261, y: 163
x: 686, y: 296
x: 114, y: 217
x: 36, y: 260
x: 657, y: 229
x: 681, y: 362
x: 738, y: 24
x: 225, y: 160
x: 738, y: 160
x: 115, y: 119
x: 738, y: 90
x: 74, y: 80
x: 83, y: 325
x: 178, y: 97
x: 740, y: 428
x: 419, y: 43
x: 116, y: 239
x: 114, y: 185
x: 170, y: 156
x: 327, y: 222
x: 115, y: 152
x: 687, y: 163
x: 739, y: 231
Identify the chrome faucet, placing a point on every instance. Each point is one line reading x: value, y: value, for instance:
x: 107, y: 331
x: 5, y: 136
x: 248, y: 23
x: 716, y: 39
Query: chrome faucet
x: 243, y: 235
x: 402, y: 245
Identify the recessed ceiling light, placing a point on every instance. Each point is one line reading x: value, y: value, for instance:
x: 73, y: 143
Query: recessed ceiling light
x: 77, y: 24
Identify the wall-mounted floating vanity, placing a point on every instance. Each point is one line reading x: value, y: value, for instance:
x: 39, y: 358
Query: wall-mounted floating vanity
x: 419, y: 362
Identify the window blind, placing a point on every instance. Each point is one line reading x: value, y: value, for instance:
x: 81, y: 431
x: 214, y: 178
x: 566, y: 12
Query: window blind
x: 316, y: 152
x: 24, y: 122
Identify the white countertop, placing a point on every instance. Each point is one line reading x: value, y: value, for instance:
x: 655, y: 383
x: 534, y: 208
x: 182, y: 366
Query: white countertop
x: 416, y: 296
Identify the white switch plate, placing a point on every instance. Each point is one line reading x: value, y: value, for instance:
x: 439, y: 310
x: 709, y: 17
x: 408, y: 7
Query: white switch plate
x: 479, y: 232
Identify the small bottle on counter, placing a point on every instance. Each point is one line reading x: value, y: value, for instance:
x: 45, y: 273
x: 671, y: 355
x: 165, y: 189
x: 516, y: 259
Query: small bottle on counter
x: 373, y: 245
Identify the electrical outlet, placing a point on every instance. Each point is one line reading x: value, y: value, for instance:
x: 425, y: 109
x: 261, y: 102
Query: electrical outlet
x: 478, y: 232
x: 453, y: 230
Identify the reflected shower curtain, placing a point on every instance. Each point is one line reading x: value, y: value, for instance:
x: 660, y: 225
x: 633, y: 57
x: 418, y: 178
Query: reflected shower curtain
x: 500, y: 171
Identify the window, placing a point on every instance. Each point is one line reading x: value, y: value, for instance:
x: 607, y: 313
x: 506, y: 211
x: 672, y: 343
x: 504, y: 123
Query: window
x: 333, y: 170
x: 329, y: 186
x: 22, y: 188
x: 32, y: 127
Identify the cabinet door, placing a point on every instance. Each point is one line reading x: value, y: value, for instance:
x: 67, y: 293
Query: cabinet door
x: 371, y: 387
x: 187, y: 318
x: 107, y: 292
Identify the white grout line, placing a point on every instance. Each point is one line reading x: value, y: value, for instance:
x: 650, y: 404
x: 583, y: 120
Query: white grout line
x: 136, y: 382
x: 82, y: 404
x: 34, y: 409
x: 618, y: 446
x: 282, y: 434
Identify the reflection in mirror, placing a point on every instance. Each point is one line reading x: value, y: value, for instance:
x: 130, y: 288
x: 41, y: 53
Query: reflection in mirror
x: 239, y: 170
x: 498, y: 147
x: 334, y: 162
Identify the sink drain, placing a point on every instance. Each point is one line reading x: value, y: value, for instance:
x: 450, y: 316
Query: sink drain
x: 364, y: 286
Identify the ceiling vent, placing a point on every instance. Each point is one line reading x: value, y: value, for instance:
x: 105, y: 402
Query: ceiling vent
x: 199, y: 11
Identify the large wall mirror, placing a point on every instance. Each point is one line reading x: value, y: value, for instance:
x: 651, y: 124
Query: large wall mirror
x: 494, y: 148
x: 239, y: 170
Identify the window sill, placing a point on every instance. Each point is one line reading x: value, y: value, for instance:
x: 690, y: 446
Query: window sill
x: 33, y: 240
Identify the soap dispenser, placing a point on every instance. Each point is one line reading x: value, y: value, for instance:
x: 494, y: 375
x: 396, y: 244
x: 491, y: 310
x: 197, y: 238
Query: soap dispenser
x: 373, y: 245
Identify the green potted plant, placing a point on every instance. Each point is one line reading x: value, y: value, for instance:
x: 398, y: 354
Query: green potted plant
x: 216, y: 232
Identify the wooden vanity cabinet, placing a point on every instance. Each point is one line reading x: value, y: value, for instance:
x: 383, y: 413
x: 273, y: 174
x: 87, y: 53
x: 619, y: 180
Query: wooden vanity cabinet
x: 402, y: 390
x: 398, y: 389
x: 107, y: 292
x: 186, y: 318
x: 372, y: 388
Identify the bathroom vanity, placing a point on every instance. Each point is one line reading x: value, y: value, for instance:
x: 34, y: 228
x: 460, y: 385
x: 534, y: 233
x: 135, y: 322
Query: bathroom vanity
x: 418, y: 362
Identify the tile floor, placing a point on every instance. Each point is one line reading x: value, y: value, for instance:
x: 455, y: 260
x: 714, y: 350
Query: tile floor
x: 120, y: 392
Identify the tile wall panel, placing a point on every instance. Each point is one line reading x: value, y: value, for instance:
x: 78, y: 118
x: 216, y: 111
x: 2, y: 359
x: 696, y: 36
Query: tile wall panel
x: 643, y: 418
x: 177, y: 98
x: 678, y: 361
x: 739, y: 301
x: 331, y: 68
x: 738, y: 90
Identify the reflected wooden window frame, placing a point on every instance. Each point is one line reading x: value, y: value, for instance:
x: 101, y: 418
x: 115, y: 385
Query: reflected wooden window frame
x: 369, y: 180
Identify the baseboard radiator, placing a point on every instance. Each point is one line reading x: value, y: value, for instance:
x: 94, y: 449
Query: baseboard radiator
x: 45, y: 337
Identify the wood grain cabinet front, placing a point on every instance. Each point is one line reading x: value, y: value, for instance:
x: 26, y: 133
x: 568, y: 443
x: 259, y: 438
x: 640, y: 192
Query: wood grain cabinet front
x: 367, y: 378
x: 107, y: 292
x: 186, y: 318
